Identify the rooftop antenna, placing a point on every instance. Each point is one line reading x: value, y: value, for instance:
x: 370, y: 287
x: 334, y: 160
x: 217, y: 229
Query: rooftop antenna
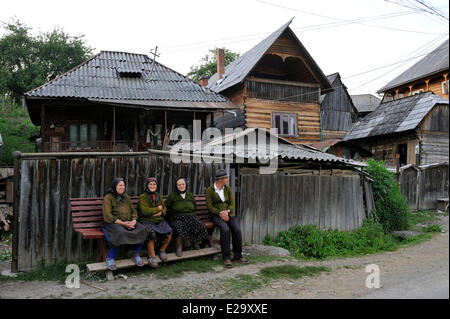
x: 155, y: 55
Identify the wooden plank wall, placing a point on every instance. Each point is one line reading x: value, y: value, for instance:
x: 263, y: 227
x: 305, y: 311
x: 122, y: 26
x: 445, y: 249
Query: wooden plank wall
x: 408, y: 185
x: 272, y: 203
x: 45, y: 225
x: 336, y: 109
x: 422, y: 186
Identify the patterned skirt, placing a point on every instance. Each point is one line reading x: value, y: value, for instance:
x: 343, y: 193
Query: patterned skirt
x: 161, y: 228
x: 189, y: 227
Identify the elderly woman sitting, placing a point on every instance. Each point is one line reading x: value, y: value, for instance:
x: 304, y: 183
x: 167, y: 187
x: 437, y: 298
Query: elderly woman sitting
x: 181, y: 216
x: 121, y: 227
x: 151, y: 210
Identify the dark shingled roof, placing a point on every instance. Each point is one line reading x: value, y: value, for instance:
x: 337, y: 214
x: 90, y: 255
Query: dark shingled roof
x: 396, y: 116
x: 129, y: 77
x: 434, y: 62
x: 239, y: 69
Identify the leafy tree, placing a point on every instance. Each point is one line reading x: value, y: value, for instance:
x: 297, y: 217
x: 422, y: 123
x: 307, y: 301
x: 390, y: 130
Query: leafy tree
x: 27, y: 61
x: 208, y: 67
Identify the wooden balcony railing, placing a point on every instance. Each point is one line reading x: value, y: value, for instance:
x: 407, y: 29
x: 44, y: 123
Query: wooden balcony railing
x: 86, y: 146
x: 283, y: 90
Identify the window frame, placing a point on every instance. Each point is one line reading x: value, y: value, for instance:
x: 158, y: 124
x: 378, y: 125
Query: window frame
x: 289, y: 115
x: 77, y: 143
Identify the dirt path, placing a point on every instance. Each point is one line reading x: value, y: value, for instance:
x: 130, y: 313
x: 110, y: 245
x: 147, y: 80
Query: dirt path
x: 420, y: 271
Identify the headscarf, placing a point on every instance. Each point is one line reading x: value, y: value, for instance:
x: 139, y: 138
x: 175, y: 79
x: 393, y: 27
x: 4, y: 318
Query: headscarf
x: 113, y: 190
x: 152, y: 195
x: 176, y: 188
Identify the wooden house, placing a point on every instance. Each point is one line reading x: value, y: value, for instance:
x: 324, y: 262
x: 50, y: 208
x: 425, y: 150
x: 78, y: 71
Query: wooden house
x: 118, y: 101
x: 365, y: 103
x: 412, y: 130
x: 428, y: 74
x: 276, y: 84
x: 337, y: 111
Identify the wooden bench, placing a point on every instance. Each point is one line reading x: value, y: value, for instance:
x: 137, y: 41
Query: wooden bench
x: 87, y: 219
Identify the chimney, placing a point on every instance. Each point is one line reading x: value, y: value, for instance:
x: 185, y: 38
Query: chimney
x: 220, y: 63
x: 204, y: 81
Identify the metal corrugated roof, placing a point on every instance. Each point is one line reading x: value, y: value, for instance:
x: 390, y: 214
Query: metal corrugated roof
x: 396, y: 116
x: 432, y: 63
x: 100, y: 78
x: 252, y: 150
x: 237, y: 71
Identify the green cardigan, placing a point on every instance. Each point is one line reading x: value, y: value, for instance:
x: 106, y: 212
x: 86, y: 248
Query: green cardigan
x: 215, y: 204
x: 113, y: 211
x: 146, y: 209
x: 176, y: 205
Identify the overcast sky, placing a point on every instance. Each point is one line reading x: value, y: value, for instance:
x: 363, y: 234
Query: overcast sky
x: 336, y: 33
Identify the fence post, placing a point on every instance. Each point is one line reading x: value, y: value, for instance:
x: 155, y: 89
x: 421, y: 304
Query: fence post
x: 16, y: 207
x: 418, y: 187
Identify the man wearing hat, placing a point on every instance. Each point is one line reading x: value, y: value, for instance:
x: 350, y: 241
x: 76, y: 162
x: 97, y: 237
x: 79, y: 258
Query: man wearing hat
x: 220, y: 203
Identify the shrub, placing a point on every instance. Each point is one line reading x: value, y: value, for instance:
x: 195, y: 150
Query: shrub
x: 310, y: 242
x: 432, y: 229
x: 391, y: 207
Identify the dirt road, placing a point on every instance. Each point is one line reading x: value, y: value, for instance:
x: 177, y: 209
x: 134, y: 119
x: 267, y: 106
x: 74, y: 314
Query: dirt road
x: 420, y: 271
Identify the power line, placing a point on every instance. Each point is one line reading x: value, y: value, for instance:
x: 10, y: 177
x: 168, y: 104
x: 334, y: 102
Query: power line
x: 421, y: 49
x: 304, y: 29
x: 338, y: 19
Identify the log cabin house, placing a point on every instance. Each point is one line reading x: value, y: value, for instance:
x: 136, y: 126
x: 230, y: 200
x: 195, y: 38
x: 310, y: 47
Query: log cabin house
x: 428, y: 74
x: 118, y: 101
x: 276, y: 84
x: 410, y: 126
x: 412, y: 130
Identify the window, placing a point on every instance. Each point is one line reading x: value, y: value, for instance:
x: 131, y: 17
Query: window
x: 83, y: 134
x: 285, y: 123
x: 417, y: 91
x: 445, y: 87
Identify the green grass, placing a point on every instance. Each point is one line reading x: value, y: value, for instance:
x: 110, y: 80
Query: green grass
x: 421, y: 217
x: 243, y: 284
x: 55, y: 272
x: 308, y: 242
x: 292, y: 271
x: 432, y: 229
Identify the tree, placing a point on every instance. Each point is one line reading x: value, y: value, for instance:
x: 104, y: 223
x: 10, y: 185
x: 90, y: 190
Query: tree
x: 208, y: 67
x: 27, y: 61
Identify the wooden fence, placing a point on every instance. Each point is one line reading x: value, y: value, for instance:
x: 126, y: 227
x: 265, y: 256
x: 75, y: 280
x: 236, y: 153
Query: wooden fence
x: 423, y: 185
x: 271, y: 203
x: 45, y: 182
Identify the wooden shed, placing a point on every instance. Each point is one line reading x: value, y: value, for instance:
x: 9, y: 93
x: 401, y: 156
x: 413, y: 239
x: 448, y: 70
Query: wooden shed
x: 414, y: 129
